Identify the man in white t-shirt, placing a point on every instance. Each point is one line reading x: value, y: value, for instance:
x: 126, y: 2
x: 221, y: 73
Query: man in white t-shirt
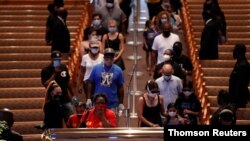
x: 163, y: 42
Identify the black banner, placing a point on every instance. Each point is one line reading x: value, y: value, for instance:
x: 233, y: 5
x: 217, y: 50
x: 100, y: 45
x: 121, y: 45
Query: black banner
x: 203, y: 131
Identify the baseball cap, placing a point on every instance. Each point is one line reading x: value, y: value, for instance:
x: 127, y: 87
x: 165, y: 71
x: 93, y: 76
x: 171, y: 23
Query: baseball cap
x: 56, y: 55
x: 109, y: 52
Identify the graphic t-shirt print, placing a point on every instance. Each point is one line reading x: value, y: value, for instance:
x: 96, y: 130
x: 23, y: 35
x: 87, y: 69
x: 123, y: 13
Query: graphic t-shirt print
x: 107, y: 79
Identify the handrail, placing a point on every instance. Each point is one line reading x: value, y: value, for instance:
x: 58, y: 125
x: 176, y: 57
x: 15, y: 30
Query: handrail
x: 74, y: 59
x: 197, y: 75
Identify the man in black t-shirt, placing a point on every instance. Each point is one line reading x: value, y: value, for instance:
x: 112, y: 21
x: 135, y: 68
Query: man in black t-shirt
x: 59, y: 72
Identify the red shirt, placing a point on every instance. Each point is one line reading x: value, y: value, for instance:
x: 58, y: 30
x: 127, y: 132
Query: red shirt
x: 74, y: 121
x: 94, y: 121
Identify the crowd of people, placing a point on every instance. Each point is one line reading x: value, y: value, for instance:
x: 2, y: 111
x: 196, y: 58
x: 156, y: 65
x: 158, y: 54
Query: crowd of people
x: 170, y: 97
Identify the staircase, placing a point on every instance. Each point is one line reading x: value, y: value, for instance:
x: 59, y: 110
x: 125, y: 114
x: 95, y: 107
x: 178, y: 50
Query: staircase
x: 23, y: 54
x: 216, y: 72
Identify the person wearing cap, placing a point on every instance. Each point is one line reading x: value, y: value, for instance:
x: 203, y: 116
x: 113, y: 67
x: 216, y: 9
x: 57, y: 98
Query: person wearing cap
x: 59, y: 72
x: 108, y: 78
x: 239, y: 78
x: 89, y: 60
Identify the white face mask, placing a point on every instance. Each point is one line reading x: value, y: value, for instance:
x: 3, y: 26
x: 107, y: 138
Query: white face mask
x: 152, y: 95
x: 187, y: 93
x: 172, y: 114
x: 166, y: 57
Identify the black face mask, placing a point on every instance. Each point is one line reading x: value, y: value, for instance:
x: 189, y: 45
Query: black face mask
x: 166, y: 33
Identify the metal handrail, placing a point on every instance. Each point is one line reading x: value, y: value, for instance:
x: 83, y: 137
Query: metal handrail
x: 197, y: 75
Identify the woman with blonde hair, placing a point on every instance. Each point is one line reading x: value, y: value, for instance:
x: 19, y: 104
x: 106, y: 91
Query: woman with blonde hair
x: 115, y: 40
x: 53, y: 111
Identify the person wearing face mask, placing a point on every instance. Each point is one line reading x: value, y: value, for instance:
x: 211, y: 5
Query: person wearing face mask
x: 168, y: 56
x: 107, y: 77
x: 112, y: 11
x: 97, y: 25
x: 172, y: 116
x: 115, y: 40
x: 57, y: 71
x: 188, y: 105
x: 239, y: 78
x: 163, y: 42
x: 89, y: 60
x: 100, y: 116
x: 74, y: 120
x: 170, y: 86
x: 53, y: 110
x: 92, y: 37
x: 150, y: 106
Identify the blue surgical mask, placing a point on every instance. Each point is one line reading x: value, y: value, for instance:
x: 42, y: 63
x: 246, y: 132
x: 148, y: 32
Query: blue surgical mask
x: 96, y: 23
x: 109, y: 5
x: 94, y: 50
x: 56, y: 63
x: 112, y: 29
x: 167, y: 77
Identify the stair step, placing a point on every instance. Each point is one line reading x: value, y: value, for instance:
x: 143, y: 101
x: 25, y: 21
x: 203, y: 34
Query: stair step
x: 25, y: 64
x: 32, y: 23
x: 217, y: 72
x: 231, y: 40
x: 25, y: 49
x: 26, y: 35
x: 218, y: 63
x: 223, y: 6
x: 200, y: 22
x: 213, y: 103
x: 40, y: 2
x: 216, y: 81
x: 243, y: 122
x: 43, y: 11
x: 22, y: 92
x: 20, y: 82
x: 22, y: 103
x: 226, y: 11
x: 35, y: 18
x: 24, y: 56
x: 199, y: 28
x: 27, y: 127
x: 39, y: 7
x: 27, y: 29
x: 18, y: 73
x: 230, y: 34
x: 28, y: 114
x: 214, y: 90
x: 222, y: 1
x: 228, y: 16
x: 241, y: 113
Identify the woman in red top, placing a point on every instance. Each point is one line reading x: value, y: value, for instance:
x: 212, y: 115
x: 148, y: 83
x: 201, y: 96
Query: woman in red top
x: 99, y: 116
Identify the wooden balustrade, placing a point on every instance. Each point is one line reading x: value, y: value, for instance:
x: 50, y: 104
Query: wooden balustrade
x: 199, y: 83
x: 74, y: 60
